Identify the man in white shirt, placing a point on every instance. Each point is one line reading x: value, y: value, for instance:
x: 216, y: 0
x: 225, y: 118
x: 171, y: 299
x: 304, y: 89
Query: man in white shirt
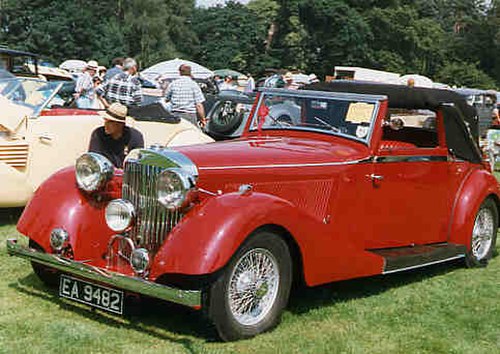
x: 186, y: 97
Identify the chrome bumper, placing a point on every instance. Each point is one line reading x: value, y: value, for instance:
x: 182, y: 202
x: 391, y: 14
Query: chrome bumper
x: 190, y: 298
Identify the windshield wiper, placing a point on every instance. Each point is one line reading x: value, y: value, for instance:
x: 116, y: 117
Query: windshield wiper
x: 278, y: 122
x: 332, y: 128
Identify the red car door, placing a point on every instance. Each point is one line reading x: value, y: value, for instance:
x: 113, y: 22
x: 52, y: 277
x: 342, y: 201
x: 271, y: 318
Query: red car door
x: 412, y: 187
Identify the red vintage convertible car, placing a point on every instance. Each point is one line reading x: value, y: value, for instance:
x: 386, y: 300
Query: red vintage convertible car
x: 355, y: 181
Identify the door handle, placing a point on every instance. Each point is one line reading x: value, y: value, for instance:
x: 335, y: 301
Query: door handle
x: 375, y: 178
x: 45, y: 138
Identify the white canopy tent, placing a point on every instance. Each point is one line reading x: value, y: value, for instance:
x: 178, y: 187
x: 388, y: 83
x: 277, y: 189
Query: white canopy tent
x: 170, y: 70
x: 73, y: 65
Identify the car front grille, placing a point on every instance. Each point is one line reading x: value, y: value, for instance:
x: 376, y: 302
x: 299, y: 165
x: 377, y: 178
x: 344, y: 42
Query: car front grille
x: 14, y: 154
x: 153, y: 221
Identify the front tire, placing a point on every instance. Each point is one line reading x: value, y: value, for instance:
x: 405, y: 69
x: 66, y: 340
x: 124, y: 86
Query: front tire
x: 250, y: 294
x: 484, y: 235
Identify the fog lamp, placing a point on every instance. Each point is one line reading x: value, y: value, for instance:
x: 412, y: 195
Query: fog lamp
x: 59, y: 239
x: 139, y: 260
x: 119, y: 215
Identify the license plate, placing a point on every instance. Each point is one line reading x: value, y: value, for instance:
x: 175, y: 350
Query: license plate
x: 91, y: 294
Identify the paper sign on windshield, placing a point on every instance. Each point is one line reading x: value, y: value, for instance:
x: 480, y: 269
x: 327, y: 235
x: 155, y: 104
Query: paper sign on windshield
x: 360, y: 112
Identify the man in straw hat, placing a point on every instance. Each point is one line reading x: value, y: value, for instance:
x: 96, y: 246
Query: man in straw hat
x: 84, y: 89
x: 114, y: 140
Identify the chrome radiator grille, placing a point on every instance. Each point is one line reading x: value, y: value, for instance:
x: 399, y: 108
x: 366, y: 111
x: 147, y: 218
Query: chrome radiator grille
x: 14, y: 155
x: 153, y: 221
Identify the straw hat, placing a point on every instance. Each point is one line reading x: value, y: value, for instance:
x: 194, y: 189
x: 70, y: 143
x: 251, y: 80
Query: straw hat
x: 92, y: 64
x: 115, y: 112
x: 288, y: 76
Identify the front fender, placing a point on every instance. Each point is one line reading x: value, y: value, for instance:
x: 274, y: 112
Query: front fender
x: 207, y: 237
x: 59, y: 203
x: 477, y: 186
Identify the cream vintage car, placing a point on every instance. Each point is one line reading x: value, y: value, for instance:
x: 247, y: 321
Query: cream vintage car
x: 40, y: 135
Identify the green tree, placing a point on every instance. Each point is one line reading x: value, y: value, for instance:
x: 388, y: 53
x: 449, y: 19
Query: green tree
x: 337, y: 35
x: 464, y: 75
x: 229, y: 38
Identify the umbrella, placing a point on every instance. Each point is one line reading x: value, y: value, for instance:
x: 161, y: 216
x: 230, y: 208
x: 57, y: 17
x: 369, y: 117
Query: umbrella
x: 300, y: 78
x: 170, y: 70
x: 420, y: 81
x: 73, y: 65
x: 229, y: 72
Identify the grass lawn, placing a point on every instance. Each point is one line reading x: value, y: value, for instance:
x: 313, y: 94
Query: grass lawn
x: 442, y: 309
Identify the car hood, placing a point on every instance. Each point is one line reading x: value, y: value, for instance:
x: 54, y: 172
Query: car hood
x: 262, y: 152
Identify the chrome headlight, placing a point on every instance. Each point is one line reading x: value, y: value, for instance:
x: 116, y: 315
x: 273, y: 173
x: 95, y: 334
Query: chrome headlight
x: 93, y: 171
x: 139, y: 260
x: 173, y: 187
x: 59, y: 239
x: 119, y: 215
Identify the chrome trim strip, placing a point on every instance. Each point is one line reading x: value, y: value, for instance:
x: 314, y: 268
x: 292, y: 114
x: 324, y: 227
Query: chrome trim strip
x: 325, y: 94
x: 344, y: 163
x: 137, y: 285
x: 423, y: 265
x: 410, y: 158
x: 162, y: 158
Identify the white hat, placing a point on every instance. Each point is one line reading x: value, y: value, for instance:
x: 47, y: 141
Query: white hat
x: 92, y: 64
x: 313, y: 78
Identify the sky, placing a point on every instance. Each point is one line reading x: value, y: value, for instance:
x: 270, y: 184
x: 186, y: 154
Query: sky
x: 205, y: 3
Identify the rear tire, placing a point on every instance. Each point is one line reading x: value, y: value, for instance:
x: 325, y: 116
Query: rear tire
x: 484, y: 235
x: 48, y: 276
x: 251, y: 292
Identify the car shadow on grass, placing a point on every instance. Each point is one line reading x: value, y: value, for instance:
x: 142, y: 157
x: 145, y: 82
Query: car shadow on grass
x: 145, y: 315
x: 303, y: 299
x: 156, y: 318
x: 10, y: 216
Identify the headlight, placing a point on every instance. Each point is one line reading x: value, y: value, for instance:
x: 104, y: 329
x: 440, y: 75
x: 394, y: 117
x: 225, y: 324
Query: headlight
x: 119, y: 215
x: 93, y: 171
x: 174, y: 186
x: 59, y: 239
x: 139, y: 260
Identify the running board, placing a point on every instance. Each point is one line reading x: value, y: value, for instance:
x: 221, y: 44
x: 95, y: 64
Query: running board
x: 405, y: 258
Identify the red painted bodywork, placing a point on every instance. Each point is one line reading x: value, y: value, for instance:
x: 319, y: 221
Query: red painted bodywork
x: 315, y: 186
x: 68, y: 112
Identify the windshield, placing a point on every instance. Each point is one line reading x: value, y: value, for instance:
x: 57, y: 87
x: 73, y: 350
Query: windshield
x: 29, y: 93
x: 300, y: 111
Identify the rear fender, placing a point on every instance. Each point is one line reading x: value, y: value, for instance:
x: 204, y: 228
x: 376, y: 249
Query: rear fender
x: 58, y: 203
x: 479, y: 185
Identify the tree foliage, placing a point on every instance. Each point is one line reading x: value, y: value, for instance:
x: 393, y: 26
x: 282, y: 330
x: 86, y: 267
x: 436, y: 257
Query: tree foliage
x: 456, y: 41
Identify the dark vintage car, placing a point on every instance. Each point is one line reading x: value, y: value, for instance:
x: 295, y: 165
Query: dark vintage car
x: 356, y: 185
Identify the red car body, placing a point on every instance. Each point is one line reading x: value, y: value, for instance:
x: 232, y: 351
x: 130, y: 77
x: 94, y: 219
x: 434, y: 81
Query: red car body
x: 345, y: 208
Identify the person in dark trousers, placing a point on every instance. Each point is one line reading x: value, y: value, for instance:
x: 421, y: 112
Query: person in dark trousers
x: 114, y: 139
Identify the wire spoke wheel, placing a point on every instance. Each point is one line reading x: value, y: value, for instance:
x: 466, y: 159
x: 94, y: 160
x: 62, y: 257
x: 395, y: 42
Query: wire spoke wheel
x: 251, y: 292
x: 482, y: 234
x: 253, y: 286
